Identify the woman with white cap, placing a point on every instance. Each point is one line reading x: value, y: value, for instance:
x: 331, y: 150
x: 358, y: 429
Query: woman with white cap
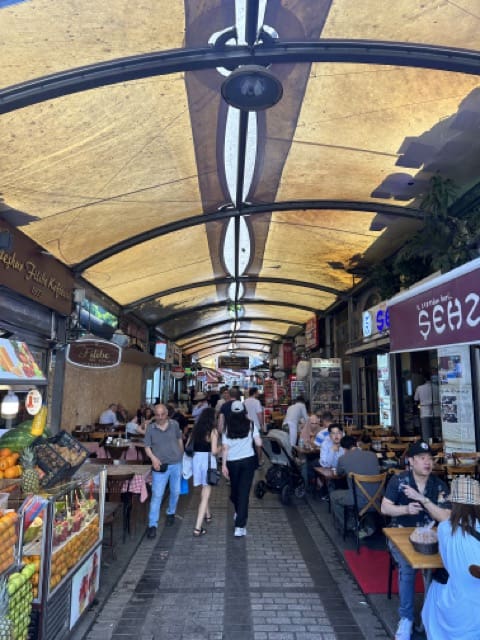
x: 451, y: 610
x: 239, y: 461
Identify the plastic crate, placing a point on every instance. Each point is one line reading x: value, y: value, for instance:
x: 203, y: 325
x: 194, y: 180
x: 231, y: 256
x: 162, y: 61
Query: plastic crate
x: 56, y: 467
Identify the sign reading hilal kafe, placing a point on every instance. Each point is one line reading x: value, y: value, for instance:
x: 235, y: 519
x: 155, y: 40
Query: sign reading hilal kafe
x: 94, y: 354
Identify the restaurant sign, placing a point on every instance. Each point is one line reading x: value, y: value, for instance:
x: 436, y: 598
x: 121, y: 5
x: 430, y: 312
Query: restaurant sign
x: 28, y: 271
x: 443, y: 311
x: 94, y: 354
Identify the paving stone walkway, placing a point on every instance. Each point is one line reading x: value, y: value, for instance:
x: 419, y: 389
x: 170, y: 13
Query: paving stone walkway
x: 284, y: 581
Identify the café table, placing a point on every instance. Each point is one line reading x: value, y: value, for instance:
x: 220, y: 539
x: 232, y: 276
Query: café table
x: 308, y: 452
x: 399, y: 537
x: 130, y: 453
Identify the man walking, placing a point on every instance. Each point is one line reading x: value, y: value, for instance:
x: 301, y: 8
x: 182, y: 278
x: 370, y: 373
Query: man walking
x: 413, y: 498
x: 424, y: 397
x: 296, y: 415
x: 254, y: 409
x: 164, y: 447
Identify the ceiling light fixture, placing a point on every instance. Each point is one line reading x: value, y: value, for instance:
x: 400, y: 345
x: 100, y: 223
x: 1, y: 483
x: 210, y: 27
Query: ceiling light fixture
x: 252, y: 88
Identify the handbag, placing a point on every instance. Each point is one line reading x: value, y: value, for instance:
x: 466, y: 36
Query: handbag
x: 255, y: 452
x: 213, y: 475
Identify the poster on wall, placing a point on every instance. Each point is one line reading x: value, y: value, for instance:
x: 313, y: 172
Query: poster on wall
x: 269, y: 390
x: 85, y: 584
x: 297, y: 388
x: 326, y: 386
x: 384, y: 390
x: 456, y: 399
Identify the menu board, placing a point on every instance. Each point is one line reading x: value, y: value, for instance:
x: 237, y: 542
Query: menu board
x: 326, y: 386
x: 297, y: 388
x: 17, y: 363
x: 456, y: 398
x: 384, y: 391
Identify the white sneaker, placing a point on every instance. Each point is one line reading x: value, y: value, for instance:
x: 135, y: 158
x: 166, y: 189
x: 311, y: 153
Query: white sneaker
x: 404, y: 629
x: 239, y: 532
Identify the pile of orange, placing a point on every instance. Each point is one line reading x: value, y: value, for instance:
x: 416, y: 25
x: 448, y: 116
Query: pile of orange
x: 35, y: 560
x: 69, y: 553
x: 8, y: 464
x: 8, y: 539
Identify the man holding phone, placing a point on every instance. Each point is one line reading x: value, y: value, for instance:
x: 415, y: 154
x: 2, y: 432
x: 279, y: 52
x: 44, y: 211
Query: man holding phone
x: 413, y: 498
x: 164, y: 447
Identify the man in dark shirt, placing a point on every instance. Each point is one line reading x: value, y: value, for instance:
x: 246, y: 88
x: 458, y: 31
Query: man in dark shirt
x: 357, y: 461
x: 413, y: 498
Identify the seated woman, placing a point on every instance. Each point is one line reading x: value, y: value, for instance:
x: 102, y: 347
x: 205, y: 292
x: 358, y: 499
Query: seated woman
x: 450, y: 610
x: 134, y: 428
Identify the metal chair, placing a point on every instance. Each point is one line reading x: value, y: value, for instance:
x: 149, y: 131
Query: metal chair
x: 117, y: 498
x: 367, y: 497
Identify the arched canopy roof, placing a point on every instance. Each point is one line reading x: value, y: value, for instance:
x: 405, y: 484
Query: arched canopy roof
x: 121, y: 158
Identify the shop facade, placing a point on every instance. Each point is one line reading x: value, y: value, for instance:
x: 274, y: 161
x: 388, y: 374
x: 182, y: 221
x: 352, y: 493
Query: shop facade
x: 435, y: 332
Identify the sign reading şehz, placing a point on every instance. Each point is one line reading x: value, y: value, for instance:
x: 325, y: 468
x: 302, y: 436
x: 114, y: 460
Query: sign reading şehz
x: 448, y: 313
x: 376, y: 320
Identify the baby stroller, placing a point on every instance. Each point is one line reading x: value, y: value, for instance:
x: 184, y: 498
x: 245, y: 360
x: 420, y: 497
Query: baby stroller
x: 284, y: 476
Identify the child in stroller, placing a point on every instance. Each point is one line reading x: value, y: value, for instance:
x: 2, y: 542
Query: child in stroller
x: 284, y: 476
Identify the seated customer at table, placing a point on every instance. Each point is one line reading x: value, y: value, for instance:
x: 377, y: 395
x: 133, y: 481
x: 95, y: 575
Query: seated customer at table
x: 134, y: 428
x: 451, y: 609
x: 413, y: 498
x: 326, y: 419
x: 330, y: 451
x: 109, y: 416
x: 357, y: 461
x: 310, y: 430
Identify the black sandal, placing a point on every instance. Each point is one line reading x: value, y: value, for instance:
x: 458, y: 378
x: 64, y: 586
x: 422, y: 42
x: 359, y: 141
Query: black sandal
x: 199, y: 532
x: 208, y: 518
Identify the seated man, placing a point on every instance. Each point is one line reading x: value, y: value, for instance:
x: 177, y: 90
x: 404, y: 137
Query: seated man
x: 330, y: 451
x: 357, y: 461
x: 326, y: 419
x: 109, y: 416
x: 413, y: 498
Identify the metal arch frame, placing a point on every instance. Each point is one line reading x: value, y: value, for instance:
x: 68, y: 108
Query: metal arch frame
x: 241, y: 333
x: 246, y: 210
x: 232, y: 351
x: 238, y: 347
x: 227, y: 338
x: 181, y: 60
x: 244, y: 301
x: 215, y: 282
x: 218, y: 323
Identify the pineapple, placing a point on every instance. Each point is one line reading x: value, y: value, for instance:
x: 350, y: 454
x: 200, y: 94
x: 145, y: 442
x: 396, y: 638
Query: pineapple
x: 30, y: 479
x: 6, y: 625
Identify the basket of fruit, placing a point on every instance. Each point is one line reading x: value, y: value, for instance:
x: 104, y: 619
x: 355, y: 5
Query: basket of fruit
x: 59, y: 457
x: 425, y: 540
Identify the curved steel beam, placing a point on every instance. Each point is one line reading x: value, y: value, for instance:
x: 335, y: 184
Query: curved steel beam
x: 217, y: 351
x: 238, y: 347
x: 223, y: 303
x: 181, y: 60
x: 214, y: 282
x: 228, y: 339
x: 242, y: 333
x: 249, y: 210
x: 219, y: 323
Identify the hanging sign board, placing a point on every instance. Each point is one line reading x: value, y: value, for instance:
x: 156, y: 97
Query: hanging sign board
x: 94, y: 354
x: 17, y: 363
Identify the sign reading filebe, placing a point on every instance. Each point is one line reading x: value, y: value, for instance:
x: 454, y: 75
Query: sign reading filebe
x: 94, y: 354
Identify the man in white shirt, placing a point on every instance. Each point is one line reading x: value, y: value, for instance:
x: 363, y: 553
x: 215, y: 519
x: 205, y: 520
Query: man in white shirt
x: 254, y: 409
x: 109, y: 416
x: 424, y: 397
x: 296, y: 413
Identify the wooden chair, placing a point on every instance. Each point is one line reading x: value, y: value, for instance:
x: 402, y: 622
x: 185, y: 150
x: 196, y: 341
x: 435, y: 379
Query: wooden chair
x: 453, y: 471
x: 408, y: 439
x: 142, y: 456
x: 367, y: 498
x: 464, y: 457
x: 398, y: 449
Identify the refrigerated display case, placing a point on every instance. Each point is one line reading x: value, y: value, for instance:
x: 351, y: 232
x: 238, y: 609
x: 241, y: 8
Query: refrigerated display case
x: 61, y: 533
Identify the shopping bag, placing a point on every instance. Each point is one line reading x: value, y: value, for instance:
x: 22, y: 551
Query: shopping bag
x: 183, y: 487
x: 187, y: 467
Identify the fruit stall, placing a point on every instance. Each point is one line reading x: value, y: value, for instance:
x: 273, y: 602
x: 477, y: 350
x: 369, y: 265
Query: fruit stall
x: 50, y: 532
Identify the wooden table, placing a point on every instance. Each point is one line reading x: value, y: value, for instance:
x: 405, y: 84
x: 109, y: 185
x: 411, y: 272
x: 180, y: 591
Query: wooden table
x: 309, y: 452
x: 399, y: 537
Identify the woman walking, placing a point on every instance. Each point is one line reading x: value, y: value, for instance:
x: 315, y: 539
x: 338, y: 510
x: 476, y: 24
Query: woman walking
x: 240, y: 461
x: 205, y: 446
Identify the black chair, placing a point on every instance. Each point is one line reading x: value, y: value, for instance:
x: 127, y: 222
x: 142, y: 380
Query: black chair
x: 367, y: 498
x: 117, y: 499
